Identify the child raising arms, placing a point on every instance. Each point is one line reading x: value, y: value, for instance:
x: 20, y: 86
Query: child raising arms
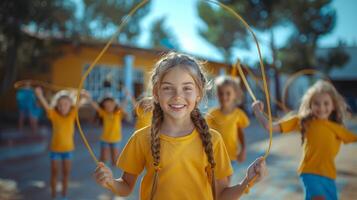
x: 62, y: 114
x: 229, y: 120
x: 182, y: 157
x: 320, y: 121
x: 111, y: 114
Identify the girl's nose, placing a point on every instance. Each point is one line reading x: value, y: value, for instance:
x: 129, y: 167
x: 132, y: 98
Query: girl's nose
x: 177, y: 94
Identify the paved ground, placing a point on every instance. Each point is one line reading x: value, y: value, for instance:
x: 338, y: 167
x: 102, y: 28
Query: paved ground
x: 26, y: 177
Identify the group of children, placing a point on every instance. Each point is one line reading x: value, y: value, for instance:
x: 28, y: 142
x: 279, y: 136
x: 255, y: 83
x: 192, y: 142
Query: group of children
x: 186, y: 155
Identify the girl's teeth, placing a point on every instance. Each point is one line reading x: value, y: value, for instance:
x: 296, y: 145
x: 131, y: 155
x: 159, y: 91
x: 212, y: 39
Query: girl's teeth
x: 177, y: 106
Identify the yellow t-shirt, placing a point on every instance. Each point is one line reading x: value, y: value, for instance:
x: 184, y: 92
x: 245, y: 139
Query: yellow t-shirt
x: 111, y: 126
x: 227, y: 125
x: 322, y: 144
x: 183, y: 165
x: 143, y: 118
x: 62, y: 130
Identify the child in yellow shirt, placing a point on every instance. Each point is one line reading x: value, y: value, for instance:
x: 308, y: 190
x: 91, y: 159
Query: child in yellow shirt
x: 320, y: 121
x: 143, y: 111
x: 111, y: 115
x: 182, y: 157
x: 62, y: 115
x: 228, y: 119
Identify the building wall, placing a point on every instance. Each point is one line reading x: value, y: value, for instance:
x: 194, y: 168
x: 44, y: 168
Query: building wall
x: 67, y: 70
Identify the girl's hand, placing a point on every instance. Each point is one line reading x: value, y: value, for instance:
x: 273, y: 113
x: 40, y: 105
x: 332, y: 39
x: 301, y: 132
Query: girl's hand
x: 257, y: 169
x: 85, y: 94
x: 38, y: 92
x: 241, y: 156
x: 257, y: 106
x: 104, y: 176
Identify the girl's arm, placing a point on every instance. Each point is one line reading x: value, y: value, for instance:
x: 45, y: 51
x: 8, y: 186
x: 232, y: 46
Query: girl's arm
x: 122, y: 186
x: 242, y: 154
x: 257, y: 169
x: 258, y: 108
x: 41, y: 98
x: 91, y: 102
x: 131, y: 97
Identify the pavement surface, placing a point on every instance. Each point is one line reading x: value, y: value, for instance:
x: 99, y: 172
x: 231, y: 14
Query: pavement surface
x: 24, y: 166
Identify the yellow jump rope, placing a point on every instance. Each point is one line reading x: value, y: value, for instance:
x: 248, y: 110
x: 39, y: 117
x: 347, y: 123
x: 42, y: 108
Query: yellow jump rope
x: 237, y: 65
x: 120, y: 27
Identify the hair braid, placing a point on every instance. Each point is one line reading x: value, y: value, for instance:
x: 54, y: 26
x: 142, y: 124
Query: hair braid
x: 203, y: 129
x: 157, y: 119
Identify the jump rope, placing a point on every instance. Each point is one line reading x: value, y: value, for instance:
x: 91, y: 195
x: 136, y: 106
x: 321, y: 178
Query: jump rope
x: 237, y: 66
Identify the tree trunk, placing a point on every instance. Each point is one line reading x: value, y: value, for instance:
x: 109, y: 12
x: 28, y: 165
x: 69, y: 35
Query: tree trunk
x: 276, y: 71
x: 10, y: 64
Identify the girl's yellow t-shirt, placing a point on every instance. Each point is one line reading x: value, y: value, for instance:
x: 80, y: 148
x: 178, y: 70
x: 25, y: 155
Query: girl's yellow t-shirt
x: 62, y: 130
x: 227, y: 125
x: 111, y: 126
x: 143, y: 118
x: 183, y: 165
x: 322, y: 144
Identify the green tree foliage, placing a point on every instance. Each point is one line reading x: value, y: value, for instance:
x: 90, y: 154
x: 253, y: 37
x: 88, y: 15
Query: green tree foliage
x: 221, y: 29
x: 29, y: 30
x: 161, y: 37
x: 311, y: 20
x: 335, y: 58
x: 101, y: 18
x: 19, y: 48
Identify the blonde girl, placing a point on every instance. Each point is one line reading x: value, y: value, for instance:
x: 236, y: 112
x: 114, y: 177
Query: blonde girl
x: 111, y: 115
x: 182, y: 157
x: 228, y: 119
x: 62, y: 115
x: 320, y: 122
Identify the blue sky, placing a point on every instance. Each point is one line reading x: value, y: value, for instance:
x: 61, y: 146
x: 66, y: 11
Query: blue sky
x: 182, y: 19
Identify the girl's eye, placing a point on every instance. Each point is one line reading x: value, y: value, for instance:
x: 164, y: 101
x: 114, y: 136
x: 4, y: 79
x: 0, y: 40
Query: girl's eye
x: 187, y: 89
x: 166, y: 88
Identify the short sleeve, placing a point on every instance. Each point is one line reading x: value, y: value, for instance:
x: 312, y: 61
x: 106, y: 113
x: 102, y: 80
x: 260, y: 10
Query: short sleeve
x: 243, y: 121
x: 289, y: 125
x: 132, y: 158
x: 101, y: 112
x: 223, y: 166
x: 50, y: 113
x: 344, y: 134
x: 73, y: 112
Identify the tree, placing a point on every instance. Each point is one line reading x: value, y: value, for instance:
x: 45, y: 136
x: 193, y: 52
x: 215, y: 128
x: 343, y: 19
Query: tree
x: 221, y: 29
x: 312, y: 20
x: 101, y: 18
x: 160, y: 37
x: 29, y: 30
x: 261, y: 15
x: 18, y: 16
x: 335, y: 58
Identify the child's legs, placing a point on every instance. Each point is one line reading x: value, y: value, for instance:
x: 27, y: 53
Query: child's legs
x: 34, y: 124
x: 21, y: 120
x: 66, y: 169
x: 104, y: 151
x: 318, y: 187
x: 54, y: 171
x: 114, y: 148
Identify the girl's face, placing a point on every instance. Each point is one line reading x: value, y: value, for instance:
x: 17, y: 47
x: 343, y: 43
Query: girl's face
x: 177, y: 94
x: 64, y: 105
x: 109, y: 105
x: 226, y: 96
x: 322, y: 105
